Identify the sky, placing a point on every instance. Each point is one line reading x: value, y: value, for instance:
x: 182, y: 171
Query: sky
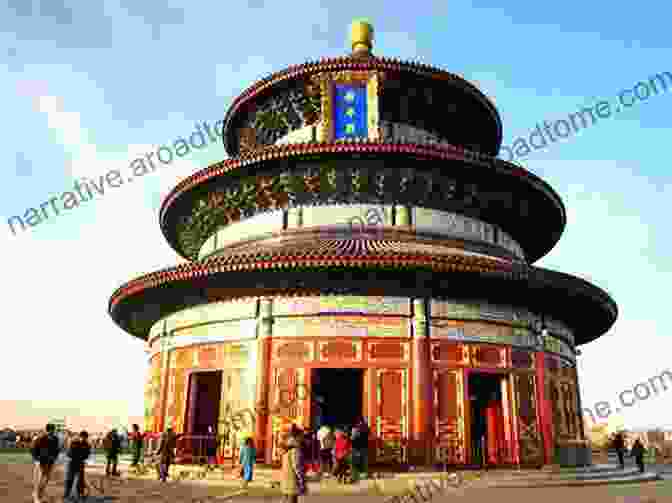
x: 86, y: 87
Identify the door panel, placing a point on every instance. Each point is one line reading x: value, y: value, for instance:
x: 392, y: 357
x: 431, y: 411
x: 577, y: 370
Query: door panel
x: 449, y: 413
x: 290, y: 401
x: 392, y: 420
x: 529, y: 436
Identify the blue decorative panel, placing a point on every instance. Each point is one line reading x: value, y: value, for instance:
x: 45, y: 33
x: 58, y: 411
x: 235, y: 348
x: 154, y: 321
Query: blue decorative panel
x: 350, y: 111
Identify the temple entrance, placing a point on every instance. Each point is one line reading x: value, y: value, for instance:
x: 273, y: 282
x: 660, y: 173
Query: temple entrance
x: 488, y: 444
x: 205, y: 391
x: 336, y: 397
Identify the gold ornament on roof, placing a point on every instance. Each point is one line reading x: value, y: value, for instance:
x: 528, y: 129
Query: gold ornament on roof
x: 361, y: 37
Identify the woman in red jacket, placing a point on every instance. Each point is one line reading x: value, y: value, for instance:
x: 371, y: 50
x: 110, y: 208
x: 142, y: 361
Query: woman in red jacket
x: 342, y: 449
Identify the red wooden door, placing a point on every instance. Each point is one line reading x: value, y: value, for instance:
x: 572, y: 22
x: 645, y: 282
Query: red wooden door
x: 526, y: 417
x: 392, y: 415
x: 449, y: 407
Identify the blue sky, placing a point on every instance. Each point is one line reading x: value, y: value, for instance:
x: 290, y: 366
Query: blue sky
x: 86, y: 86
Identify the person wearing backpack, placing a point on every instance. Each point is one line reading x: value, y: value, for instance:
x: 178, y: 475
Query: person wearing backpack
x: 44, y: 451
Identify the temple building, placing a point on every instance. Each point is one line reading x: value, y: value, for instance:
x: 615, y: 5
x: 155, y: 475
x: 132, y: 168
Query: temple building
x: 363, y: 251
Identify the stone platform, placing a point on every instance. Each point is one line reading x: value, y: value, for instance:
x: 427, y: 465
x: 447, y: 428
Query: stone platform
x: 390, y: 482
x: 593, y: 475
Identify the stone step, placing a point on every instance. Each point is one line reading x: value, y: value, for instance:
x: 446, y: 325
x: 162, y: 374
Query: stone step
x: 569, y: 476
x: 622, y: 479
x: 559, y: 470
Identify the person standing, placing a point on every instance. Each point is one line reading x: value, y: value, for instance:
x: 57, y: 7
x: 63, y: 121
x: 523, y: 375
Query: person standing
x: 293, y: 478
x: 619, y: 445
x: 44, y: 451
x: 637, y: 452
x: 341, y: 452
x: 211, y: 446
x: 248, y: 456
x: 166, y: 453
x: 326, y: 438
x: 78, y: 452
x: 137, y: 441
x: 360, y: 448
x: 112, y: 446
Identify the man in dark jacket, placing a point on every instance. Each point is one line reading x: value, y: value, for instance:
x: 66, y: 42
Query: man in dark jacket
x: 619, y: 445
x: 78, y: 453
x: 45, y: 450
x: 360, y: 448
x: 112, y: 446
x: 638, y: 452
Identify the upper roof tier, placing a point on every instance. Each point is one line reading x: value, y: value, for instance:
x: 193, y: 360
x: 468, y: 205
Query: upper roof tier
x: 408, y: 93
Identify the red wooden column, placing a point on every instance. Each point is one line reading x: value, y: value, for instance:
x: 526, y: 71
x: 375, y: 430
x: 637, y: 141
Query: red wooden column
x: 192, y: 401
x: 262, y: 435
x: 422, y: 386
x: 544, y: 408
x: 581, y: 425
x: 166, y: 346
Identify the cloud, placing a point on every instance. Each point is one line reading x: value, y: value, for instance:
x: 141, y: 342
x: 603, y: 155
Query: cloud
x: 73, y: 341
x: 87, y: 161
x: 67, y: 126
x: 157, y: 16
x: 88, y: 26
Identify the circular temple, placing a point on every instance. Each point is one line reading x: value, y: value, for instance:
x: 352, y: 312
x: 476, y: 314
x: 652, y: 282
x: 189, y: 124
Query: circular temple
x: 363, y: 237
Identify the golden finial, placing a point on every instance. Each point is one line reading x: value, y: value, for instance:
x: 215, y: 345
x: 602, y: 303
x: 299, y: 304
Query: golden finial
x: 361, y: 37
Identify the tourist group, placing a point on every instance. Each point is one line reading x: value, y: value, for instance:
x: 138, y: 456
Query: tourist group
x: 46, y: 449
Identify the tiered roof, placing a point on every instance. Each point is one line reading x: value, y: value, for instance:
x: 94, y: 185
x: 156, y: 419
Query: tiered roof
x: 394, y: 260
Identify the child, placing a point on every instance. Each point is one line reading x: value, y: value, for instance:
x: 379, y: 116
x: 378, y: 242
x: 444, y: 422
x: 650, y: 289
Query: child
x: 248, y: 456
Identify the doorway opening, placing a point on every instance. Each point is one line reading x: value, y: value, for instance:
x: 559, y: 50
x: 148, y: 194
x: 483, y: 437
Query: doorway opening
x: 337, y: 396
x: 205, y: 391
x: 488, y: 445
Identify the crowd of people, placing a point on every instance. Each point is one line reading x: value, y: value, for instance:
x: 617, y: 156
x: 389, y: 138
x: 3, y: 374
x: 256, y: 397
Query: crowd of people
x: 342, y: 454
x: 25, y: 438
x: 47, y: 446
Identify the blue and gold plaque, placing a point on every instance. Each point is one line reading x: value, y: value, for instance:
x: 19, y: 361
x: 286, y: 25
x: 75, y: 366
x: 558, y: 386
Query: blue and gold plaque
x: 350, y: 113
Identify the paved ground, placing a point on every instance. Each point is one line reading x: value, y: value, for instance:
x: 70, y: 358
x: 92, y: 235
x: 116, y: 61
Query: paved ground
x: 16, y: 486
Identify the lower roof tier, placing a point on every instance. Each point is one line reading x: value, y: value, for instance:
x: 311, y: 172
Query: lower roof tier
x: 363, y: 267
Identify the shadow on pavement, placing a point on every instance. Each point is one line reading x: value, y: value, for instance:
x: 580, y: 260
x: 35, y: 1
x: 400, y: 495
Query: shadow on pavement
x: 99, y: 499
